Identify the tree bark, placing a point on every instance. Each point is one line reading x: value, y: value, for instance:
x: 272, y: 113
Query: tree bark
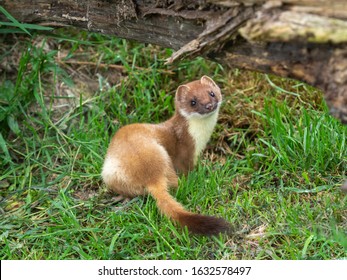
x: 305, y: 40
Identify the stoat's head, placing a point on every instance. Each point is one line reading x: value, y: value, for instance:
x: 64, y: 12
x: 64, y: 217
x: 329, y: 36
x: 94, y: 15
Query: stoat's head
x: 198, y: 99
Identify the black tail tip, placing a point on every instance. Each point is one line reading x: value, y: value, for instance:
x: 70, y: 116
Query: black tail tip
x: 205, y: 225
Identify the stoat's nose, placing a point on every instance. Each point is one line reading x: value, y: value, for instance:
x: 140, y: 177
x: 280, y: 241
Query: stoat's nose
x: 209, y: 106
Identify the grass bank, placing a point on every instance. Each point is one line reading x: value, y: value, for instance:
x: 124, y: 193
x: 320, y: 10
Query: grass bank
x: 273, y: 167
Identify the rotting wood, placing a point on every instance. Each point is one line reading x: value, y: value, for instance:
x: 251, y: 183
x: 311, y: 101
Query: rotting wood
x: 287, y: 26
x: 300, y: 39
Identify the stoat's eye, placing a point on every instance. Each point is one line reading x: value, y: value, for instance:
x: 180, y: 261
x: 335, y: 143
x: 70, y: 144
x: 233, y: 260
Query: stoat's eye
x: 212, y: 94
x: 193, y: 103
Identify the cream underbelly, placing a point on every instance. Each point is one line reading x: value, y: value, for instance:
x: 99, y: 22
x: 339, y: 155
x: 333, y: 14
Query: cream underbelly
x: 111, y: 169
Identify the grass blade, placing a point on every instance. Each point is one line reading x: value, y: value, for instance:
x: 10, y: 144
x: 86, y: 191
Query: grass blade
x: 15, y: 22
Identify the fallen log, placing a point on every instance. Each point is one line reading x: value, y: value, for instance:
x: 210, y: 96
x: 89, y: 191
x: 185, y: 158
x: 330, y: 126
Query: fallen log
x: 300, y: 39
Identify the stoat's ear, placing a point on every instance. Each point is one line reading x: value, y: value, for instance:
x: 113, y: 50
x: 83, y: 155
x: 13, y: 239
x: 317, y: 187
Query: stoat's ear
x: 205, y: 80
x: 181, y: 92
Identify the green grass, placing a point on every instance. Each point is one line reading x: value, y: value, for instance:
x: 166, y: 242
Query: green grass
x: 273, y: 167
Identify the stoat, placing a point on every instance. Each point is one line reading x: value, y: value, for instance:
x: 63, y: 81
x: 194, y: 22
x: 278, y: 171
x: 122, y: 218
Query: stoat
x: 143, y: 158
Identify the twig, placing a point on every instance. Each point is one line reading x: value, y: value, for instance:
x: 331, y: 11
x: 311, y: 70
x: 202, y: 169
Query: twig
x: 113, y: 66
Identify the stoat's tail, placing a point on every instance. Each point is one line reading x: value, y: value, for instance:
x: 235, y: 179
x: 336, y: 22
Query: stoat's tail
x: 199, y: 224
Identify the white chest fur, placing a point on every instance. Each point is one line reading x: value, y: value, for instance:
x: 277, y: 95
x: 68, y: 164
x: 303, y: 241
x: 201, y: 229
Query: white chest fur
x: 201, y: 128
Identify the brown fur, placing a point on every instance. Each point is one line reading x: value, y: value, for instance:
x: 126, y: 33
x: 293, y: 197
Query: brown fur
x: 144, y: 158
